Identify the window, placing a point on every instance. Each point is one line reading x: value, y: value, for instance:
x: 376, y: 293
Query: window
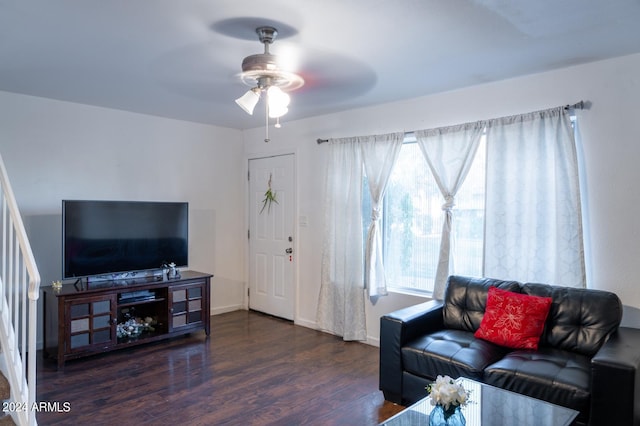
x: 520, y: 219
x: 413, y: 217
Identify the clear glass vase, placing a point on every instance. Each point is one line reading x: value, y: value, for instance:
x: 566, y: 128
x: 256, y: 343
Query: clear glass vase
x: 451, y: 417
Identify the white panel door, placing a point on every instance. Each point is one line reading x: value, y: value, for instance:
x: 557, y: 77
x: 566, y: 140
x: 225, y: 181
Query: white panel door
x: 271, y: 227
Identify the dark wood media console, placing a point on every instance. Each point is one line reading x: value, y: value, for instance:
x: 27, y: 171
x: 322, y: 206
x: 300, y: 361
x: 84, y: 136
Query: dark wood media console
x: 83, y: 319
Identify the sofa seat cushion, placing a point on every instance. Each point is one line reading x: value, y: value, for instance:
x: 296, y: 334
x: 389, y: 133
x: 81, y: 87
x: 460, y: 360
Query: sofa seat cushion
x: 454, y: 353
x: 549, y: 374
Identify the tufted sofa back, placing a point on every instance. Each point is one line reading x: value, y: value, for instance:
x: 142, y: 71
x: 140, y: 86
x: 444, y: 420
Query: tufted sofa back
x: 465, y: 299
x: 580, y: 320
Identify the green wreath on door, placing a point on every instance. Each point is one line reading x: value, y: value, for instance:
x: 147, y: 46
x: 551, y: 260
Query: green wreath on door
x: 269, y: 197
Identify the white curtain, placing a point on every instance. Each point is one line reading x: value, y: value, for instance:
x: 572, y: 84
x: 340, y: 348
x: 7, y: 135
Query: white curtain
x: 342, y: 294
x: 449, y: 151
x: 533, y: 217
x: 379, y: 154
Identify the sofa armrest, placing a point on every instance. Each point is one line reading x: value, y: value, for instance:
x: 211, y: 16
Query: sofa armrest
x: 396, y: 329
x: 615, y: 380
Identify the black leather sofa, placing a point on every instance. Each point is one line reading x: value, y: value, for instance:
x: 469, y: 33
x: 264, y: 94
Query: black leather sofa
x: 584, y: 361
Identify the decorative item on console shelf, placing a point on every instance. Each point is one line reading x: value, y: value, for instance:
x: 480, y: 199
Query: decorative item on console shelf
x: 171, y: 272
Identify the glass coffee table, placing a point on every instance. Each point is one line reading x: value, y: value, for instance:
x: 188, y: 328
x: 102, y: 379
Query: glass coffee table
x: 494, y: 407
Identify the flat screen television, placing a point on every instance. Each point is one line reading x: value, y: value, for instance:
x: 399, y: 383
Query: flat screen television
x: 102, y: 238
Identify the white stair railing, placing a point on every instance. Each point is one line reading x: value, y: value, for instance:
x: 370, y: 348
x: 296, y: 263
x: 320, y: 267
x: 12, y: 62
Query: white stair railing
x: 19, y: 292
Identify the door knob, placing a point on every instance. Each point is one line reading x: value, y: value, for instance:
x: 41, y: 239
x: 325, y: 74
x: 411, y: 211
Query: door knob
x: 289, y: 250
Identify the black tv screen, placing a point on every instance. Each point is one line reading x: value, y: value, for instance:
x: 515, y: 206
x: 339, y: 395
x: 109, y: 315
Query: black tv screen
x: 114, y: 237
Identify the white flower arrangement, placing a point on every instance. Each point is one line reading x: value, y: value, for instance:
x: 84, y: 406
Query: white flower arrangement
x: 134, y: 327
x: 448, y: 393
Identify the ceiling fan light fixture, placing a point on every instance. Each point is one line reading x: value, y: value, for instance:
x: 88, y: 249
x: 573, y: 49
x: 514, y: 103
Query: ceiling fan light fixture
x: 262, y: 73
x: 277, y: 112
x: 249, y: 100
x: 278, y: 102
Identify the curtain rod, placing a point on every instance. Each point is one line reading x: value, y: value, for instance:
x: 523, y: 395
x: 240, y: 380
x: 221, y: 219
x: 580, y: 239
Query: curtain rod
x: 577, y: 105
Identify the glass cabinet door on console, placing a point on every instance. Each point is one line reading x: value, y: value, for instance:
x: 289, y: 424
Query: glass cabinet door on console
x: 91, y: 322
x: 187, y: 305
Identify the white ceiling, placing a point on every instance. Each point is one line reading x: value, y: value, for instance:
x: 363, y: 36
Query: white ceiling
x: 181, y: 58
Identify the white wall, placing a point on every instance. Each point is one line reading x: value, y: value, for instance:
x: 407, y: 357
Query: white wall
x: 59, y: 150
x: 610, y: 152
x: 55, y: 150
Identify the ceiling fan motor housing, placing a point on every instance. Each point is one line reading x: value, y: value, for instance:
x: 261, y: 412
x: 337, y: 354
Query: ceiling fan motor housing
x: 260, y: 62
x: 263, y: 69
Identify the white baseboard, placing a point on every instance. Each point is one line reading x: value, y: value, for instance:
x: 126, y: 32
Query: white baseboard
x: 224, y: 309
x: 372, y: 341
x: 306, y: 323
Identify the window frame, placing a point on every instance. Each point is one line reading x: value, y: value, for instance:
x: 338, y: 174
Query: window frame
x: 402, y: 289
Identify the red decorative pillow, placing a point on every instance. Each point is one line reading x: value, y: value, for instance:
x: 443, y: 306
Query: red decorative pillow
x: 513, y: 320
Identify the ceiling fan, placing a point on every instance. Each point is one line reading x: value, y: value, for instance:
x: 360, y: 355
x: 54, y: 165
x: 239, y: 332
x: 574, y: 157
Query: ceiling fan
x: 264, y: 74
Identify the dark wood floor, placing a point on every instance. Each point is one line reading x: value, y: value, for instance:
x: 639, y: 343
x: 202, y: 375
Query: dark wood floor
x: 252, y: 370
